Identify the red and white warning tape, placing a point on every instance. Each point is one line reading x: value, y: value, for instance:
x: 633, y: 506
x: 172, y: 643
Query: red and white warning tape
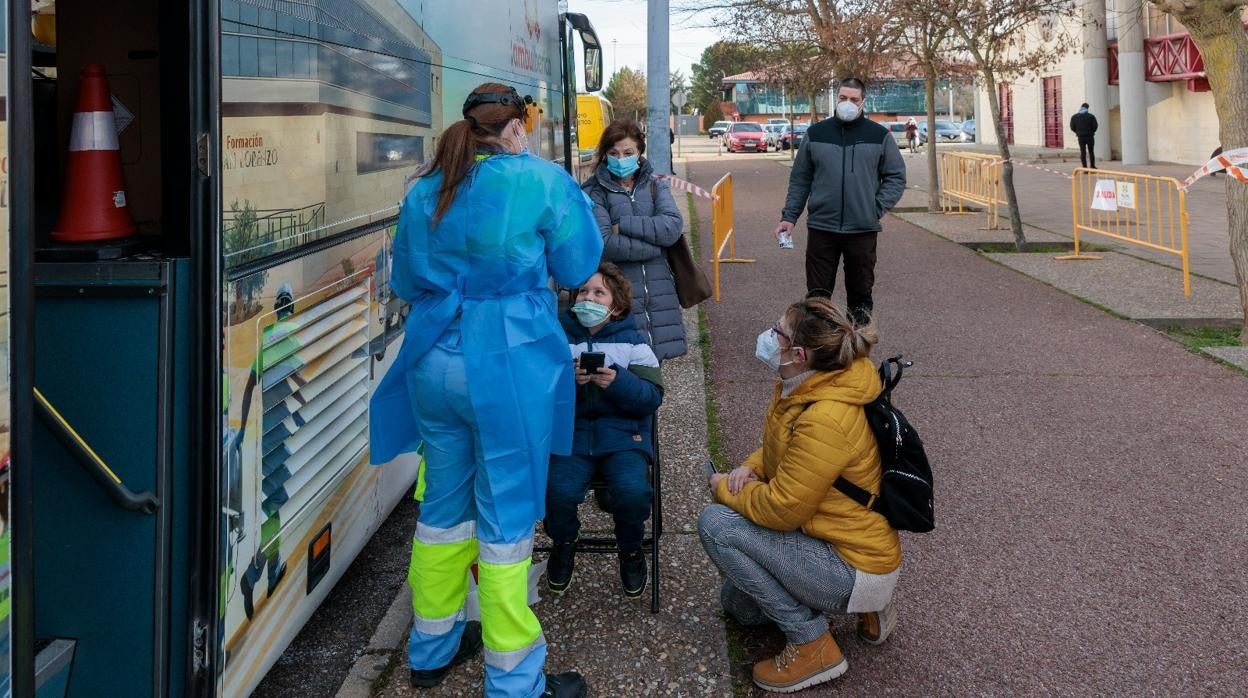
x: 1017, y: 163
x: 1228, y: 161
x: 681, y: 185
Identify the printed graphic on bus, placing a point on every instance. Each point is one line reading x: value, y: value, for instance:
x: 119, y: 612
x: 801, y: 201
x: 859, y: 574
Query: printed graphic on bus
x: 329, y: 107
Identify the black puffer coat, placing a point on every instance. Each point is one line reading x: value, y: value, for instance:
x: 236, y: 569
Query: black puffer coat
x: 648, y: 221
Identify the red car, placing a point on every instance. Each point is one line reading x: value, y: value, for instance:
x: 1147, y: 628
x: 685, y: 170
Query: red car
x: 745, y: 135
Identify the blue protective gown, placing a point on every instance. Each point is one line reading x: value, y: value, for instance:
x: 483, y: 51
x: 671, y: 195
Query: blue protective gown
x: 516, y: 221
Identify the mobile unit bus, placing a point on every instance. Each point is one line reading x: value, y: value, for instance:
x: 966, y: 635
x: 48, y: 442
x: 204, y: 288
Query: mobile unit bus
x: 189, y: 402
x: 593, y: 113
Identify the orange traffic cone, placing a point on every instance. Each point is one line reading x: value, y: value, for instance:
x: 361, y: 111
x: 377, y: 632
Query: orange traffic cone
x: 94, y: 205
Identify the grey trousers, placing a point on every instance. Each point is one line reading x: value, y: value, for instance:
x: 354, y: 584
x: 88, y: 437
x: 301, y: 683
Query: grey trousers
x: 785, y: 577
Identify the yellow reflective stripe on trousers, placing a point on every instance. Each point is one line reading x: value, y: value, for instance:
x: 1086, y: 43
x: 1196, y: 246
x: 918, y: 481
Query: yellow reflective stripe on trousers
x: 438, y: 574
x: 509, y: 627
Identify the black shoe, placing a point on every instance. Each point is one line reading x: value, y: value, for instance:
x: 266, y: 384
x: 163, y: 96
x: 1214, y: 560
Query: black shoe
x: 566, y: 685
x: 469, y: 647
x: 559, y: 566
x: 633, y: 573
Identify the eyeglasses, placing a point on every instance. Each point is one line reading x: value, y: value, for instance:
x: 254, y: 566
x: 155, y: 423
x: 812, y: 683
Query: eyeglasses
x: 776, y: 328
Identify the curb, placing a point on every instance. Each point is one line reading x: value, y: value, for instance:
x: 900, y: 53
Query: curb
x: 372, y: 664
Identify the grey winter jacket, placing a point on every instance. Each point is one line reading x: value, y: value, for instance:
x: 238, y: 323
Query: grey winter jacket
x: 647, y: 223
x: 847, y: 175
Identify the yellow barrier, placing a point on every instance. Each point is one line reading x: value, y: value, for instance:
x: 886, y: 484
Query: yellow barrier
x: 971, y: 178
x: 723, y: 228
x: 1135, y: 208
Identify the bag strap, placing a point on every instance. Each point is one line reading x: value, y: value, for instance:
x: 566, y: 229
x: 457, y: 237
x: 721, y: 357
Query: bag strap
x: 891, y: 370
x: 855, y: 492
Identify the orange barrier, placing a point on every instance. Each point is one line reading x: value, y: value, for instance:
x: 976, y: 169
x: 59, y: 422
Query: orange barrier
x: 1134, y: 208
x: 971, y: 178
x: 723, y: 228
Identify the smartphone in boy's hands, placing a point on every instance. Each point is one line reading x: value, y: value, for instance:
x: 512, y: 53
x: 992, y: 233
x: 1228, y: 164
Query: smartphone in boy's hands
x: 591, y: 361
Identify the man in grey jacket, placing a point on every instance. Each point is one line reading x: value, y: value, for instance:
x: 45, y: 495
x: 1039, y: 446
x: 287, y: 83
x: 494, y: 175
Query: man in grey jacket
x: 847, y: 174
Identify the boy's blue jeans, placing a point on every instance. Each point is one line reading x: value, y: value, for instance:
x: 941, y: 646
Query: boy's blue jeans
x: 626, y: 474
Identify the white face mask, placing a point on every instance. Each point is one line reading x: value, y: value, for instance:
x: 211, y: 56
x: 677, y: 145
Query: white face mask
x: 847, y: 111
x: 767, y: 349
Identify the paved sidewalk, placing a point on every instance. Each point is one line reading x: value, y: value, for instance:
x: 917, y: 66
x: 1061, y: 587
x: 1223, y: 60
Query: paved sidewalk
x: 1088, y: 470
x: 620, y: 647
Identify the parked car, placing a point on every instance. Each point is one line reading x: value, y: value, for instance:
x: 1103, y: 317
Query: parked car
x: 718, y: 128
x: 968, y: 131
x: 745, y: 135
x: 898, y: 129
x: 794, y: 136
x: 774, y: 133
x: 946, y: 132
x: 782, y: 122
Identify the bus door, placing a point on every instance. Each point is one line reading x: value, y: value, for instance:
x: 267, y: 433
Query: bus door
x: 573, y: 26
x: 109, y: 106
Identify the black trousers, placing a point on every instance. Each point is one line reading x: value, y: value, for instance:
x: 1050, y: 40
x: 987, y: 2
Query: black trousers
x: 824, y: 251
x: 1085, y: 151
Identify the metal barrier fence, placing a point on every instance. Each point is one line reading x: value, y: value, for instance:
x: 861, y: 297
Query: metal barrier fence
x: 971, y: 178
x: 723, y: 228
x: 1135, y: 208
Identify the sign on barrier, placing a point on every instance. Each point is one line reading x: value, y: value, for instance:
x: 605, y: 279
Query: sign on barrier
x: 1134, y: 208
x: 973, y: 178
x: 723, y: 230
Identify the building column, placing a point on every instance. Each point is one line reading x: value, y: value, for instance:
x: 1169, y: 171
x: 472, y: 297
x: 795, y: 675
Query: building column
x: 1133, y: 107
x: 1096, y: 72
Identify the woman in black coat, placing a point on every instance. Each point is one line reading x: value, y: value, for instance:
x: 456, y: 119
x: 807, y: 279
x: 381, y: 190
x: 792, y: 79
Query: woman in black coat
x: 638, y: 218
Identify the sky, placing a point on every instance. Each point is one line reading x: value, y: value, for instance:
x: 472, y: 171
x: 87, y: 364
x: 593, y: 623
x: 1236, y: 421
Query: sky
x: 621, y: 25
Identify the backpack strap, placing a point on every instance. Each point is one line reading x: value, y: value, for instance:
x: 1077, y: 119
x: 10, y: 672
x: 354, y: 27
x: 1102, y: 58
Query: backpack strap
x: 855, y: 492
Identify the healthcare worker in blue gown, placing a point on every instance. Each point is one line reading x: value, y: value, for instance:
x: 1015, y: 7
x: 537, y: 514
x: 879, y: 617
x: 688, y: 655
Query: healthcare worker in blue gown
x: 484, y: 380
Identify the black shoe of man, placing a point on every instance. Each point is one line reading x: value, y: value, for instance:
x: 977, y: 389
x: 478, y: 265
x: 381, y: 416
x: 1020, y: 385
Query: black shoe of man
x: 633, y: 573
x: 566, y: 685
x: 469, y: 647
x: 559, y: 566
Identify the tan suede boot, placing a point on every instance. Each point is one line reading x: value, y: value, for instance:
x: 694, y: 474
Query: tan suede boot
x: 875, y: 627
x: 801, y: 666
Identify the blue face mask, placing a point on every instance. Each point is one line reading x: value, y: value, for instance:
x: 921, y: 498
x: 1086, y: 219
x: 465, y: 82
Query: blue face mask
x: 590, y: 314
x: 622, y: 167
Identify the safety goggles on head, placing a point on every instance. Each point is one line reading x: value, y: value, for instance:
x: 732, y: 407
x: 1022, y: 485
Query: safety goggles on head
x: 510, y: 98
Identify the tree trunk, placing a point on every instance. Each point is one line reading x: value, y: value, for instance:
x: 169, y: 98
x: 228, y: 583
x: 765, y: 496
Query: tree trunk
x: 1007, y: 167
x: 933, y: 167
x: 1218, y: 32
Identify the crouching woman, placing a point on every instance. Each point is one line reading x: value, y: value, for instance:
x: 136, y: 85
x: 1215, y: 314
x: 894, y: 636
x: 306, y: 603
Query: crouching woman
x: 793, y: 547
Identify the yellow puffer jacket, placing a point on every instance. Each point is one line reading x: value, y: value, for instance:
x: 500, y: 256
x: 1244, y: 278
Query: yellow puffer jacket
x: 810, y: 438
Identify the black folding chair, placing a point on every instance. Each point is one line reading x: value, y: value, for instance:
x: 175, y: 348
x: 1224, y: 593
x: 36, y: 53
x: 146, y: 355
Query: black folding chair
x: 608, y: 543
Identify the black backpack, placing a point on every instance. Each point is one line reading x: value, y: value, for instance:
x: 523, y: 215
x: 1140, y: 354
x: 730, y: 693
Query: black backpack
x: 906, y: 490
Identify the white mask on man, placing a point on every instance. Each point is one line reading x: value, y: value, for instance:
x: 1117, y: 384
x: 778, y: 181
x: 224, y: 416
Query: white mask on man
x: 847, y: 110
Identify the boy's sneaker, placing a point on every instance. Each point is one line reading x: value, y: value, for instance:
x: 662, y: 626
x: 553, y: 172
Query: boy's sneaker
x: 633, y: 573
x: 875, y: 627
x: 566, y: 685
x: 801, y: 666
x: 559, y: 566
x: 469, y: 647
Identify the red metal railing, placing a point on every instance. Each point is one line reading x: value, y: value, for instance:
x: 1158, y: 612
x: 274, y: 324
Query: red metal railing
x: 1168, y: 58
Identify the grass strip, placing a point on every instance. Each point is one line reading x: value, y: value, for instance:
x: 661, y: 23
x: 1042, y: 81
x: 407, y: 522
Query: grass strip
x: 1196, y: 338
x: 714, y: 440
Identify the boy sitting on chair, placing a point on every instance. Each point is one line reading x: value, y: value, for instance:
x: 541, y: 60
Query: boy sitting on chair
x: 615, y: 408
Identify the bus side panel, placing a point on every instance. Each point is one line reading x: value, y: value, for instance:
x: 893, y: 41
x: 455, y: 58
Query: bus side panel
x: 327, y: 114
x: 300, y: 499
